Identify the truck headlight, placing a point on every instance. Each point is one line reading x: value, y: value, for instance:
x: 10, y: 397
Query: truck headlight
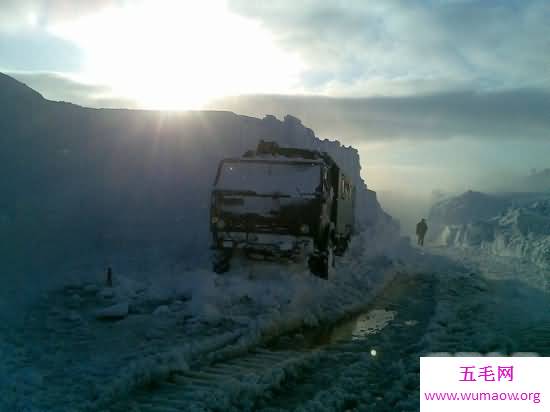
x: 304, y: 229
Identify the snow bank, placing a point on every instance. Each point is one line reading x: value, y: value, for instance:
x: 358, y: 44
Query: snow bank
x: 499, y: 226
x: 466, y: 208
x: 126, y: 189
x: 129, y: 189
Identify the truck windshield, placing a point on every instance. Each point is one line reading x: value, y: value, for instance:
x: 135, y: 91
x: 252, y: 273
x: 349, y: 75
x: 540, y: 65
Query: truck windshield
x: 292, y: 179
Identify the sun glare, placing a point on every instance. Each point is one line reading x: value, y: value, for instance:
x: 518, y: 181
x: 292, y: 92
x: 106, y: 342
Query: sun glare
x: 180, y: 55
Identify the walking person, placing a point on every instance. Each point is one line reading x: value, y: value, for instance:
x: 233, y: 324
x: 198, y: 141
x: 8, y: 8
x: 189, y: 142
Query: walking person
x: 421, y: 229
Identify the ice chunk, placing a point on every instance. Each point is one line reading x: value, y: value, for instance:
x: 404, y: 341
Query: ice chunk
x: 161, y: 310
x: 118, y: 311
x: 107, y: 293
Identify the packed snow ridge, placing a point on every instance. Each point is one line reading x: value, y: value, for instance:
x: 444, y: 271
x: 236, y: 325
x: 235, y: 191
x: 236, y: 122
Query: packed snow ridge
x: 510, y: 225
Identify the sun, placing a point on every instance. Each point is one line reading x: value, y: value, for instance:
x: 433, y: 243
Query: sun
x: 180, y: 55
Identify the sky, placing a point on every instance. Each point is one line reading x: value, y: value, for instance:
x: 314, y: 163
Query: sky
x: 435, y: 94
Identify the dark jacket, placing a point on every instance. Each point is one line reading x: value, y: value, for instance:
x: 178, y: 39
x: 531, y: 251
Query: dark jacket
x: 421, y: 228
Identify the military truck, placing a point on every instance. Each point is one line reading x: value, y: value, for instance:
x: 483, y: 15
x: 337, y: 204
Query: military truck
x: 280, y: 202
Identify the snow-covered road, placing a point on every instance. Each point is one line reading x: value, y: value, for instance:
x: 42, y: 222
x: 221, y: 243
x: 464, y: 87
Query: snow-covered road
x: 351, y: 363
x: 63, y: 360
x: 356, y: 366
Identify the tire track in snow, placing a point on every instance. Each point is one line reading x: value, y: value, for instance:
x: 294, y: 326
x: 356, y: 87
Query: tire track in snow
x: 369, y: 371
x: 220, y: 386
x: 65, y: 356
x: 89, y: 363
x: 292, y: 371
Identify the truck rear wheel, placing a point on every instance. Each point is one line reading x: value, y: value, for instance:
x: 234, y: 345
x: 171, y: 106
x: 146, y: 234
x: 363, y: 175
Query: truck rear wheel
x: 221, y: 260
x: 342, y: 245
x: 322, y: 265
x: 313, y: 263
x: 328, y: 263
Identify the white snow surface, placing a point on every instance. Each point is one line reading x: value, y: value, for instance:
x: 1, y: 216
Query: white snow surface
x: 521, y: 232
x: 469, y: 305
x: 171, y: 321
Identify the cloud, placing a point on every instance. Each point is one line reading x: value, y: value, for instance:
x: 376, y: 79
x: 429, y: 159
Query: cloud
x: 25, y: 14
x: 381, y: 48
x: 61, y: 88
x: 38, y: 51
x: 28, y: 41
x: 501, y: 115
x: 354, y: 48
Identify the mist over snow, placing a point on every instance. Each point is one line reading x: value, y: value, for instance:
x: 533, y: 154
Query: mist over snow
x: 512, y: 225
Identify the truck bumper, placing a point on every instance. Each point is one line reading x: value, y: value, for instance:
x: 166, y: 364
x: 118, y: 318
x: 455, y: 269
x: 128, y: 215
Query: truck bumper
x: 264, y: 242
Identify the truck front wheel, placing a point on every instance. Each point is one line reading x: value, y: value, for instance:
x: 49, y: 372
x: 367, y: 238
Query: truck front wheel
x: 322, y: 264
x: 221, y: 260
x: 328, y: 263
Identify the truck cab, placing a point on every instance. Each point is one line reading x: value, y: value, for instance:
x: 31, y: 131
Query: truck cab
x: 281, y: 202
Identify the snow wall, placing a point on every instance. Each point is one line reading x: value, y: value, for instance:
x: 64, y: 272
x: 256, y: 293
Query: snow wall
x: 507, y: 224
x: 86, y: 188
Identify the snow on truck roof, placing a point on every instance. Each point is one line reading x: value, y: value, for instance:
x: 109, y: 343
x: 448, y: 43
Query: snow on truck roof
x: 278, y: 158
x: 271, y: 152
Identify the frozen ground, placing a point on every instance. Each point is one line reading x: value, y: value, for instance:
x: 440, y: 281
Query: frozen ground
x: 85, y: 345
x: 370, y: 362
x: 266, y: 338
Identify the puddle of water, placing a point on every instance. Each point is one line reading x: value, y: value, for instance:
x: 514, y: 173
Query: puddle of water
x: 356, y: 328
x: 363, y: 325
